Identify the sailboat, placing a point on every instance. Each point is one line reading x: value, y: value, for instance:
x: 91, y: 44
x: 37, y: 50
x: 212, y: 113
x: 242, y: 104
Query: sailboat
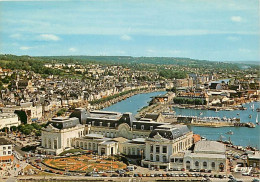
x: 253, y: 107
x: 256, y: 120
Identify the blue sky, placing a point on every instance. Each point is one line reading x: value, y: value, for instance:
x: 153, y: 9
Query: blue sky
x: 219, y: 30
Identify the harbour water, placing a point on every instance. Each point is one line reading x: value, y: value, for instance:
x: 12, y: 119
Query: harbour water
x: 134, y: 103
x: 242, y: 135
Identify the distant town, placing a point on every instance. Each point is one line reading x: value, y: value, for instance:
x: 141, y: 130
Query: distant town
x: 55, y: 126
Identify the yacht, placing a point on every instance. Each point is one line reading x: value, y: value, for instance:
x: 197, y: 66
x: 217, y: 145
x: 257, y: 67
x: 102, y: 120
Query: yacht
x: 230, y: 132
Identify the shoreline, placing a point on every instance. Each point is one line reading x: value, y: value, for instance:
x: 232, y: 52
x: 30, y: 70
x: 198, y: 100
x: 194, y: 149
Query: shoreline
x: 123, y: 97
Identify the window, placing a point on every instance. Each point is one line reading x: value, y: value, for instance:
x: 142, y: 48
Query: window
x: 134, y: 126
x: 100, y: 123
x: 157, y: 158
x: 4, y: 148
x: 9, y: 152
x: 181, y: 161
x: 4, y: 152
x: 151, y: 157
x: 142, y: 127
x: 115, y: 124
x: 213, y: 164
x: 197, y: 164
x: 93, y: 123
x: 133, y: 135
x: 9, y: 147
x: 205, y: 164
x: 164, y: 158
x: 221, y: 167
x: 164, y: 149
x: 151, y: 128
x: 49, y: 143
x: 138, y: 151
x: 133, y: 151
x: 108, y: 124
x: 151, y: 148
x: 68, y: 142
x: 55, y: 144
x: 157, y: 149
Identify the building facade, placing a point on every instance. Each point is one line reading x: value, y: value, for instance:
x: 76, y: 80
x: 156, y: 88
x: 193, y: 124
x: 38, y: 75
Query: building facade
x: 59, y: 135
x: 207, y: 155
x: 8, y: 120
x: 6, y: 154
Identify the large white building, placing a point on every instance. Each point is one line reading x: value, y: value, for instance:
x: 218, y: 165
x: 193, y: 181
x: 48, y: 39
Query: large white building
x: 159, y: 145
x: 164, y: 142
x: 8, y: 120
x: 59, y: 135
x: 207, y: 155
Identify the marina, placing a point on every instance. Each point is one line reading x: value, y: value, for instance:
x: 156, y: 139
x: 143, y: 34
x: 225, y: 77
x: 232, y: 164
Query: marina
x: 242, y: 136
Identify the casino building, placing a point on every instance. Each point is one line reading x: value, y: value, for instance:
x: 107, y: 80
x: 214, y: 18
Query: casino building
x: 160, y: 145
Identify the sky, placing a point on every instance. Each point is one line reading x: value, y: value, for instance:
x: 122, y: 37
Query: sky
x: 217, y: 30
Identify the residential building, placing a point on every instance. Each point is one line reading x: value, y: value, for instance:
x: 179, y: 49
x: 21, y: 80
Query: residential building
x: 6, y: 154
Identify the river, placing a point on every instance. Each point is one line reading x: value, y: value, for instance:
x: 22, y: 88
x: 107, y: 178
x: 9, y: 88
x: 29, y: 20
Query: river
x: 242, y: 136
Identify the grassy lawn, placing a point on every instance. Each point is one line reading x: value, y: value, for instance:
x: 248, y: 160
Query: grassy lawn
x: 84, y: 163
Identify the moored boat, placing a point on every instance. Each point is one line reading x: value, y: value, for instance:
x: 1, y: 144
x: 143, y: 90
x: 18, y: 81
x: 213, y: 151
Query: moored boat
x: 230, y: 132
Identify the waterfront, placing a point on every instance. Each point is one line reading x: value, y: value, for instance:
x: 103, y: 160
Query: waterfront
x: 134, y: 103
x: 242, y: 135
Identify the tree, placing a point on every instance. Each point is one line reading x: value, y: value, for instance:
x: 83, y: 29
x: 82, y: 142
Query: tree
x: 27, y: 131
x: 13, y: 128
x: 5, y: 129
x: 22, y: 115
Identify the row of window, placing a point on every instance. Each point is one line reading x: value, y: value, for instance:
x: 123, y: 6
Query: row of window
x: 9, y: 147
x: 142, y: 127
x: 101, y: 124
x: 157, y: 149
x: 88, y: 146
x: 112, y: 134
x: 204, y: 164
x: 108, y: 125
x: 49, y: 144
x: 157, y: 158
x: 9, y: 152
x: 181, y: 146
x: 132, y: 151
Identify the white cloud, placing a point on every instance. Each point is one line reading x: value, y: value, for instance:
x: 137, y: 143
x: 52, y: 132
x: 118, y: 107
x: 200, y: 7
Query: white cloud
x: 50, y: 37
x: 232, y: 38
x: 72, y: 49
x: 24, y: 48
x: 236, y: 18
x: 16, y: 36
x: 244, y: 50
x: 125, y: 37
